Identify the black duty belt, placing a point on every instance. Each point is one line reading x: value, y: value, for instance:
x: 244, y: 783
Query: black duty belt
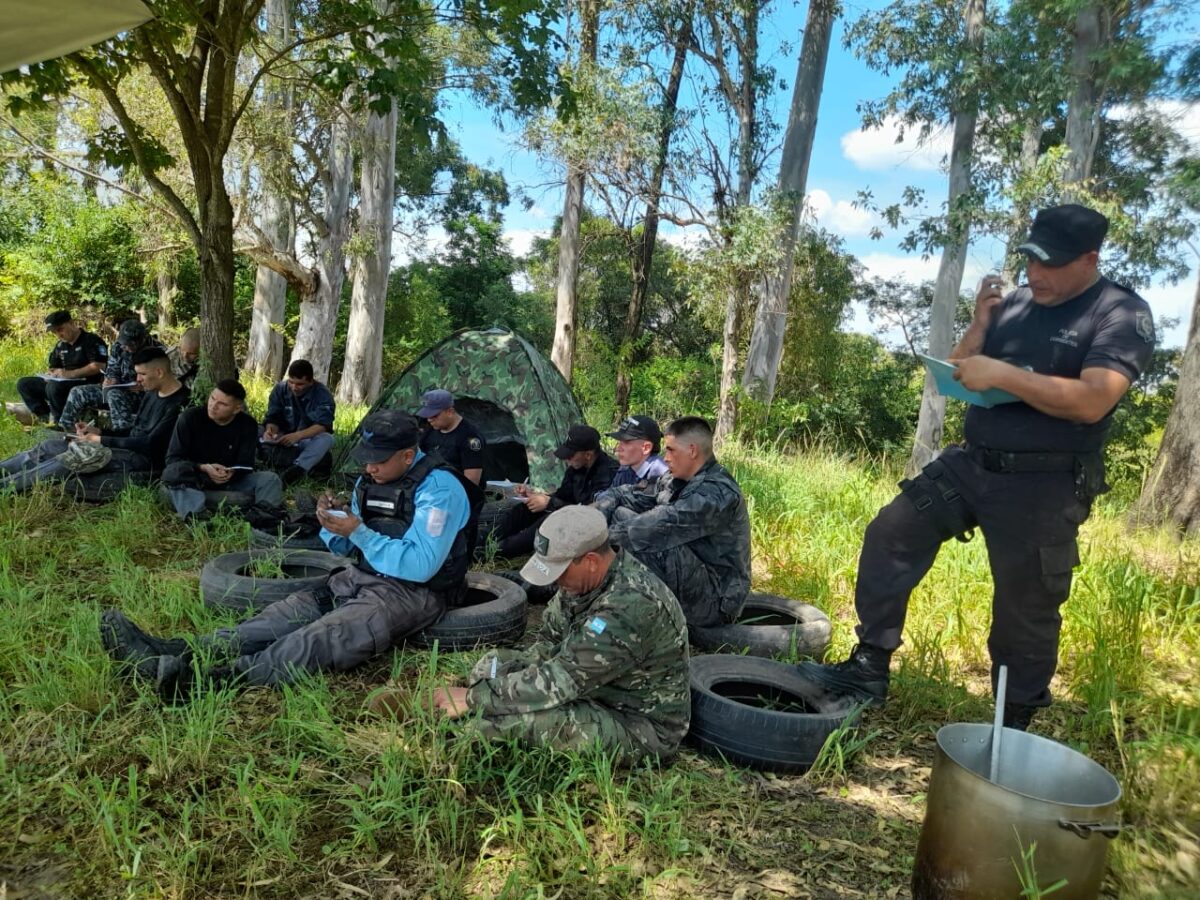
x: 1012, y: 461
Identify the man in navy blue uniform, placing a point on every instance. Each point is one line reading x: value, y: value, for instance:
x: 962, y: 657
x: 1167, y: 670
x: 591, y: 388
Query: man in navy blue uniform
x: 298, y: 428
x: 1068, y: 344
x: 79, y: 357
x: 406, y: 523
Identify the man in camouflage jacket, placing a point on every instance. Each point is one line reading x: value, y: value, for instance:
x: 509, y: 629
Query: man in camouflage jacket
x: 693, y: 532
x: 610, y: 664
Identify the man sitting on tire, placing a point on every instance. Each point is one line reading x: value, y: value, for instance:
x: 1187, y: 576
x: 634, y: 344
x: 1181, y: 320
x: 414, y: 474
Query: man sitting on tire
x: 609, y: 667
x: 694, y: 532
x: 212, y: 450
x: 406, y: 522
x: 140, y: 450
x: 298, y: 428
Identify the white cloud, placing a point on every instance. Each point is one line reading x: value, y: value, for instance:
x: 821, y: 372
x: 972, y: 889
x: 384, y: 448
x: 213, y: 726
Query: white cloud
x: 842, y: 217
x: 1184, y: 116
x: 520, y: 240
x: 878, y: 148
x: 1173, y: 302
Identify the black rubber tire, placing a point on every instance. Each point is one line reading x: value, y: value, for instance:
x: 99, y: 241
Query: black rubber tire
x: 769, y: 626
x: 223, y: 584
x: 103, y: 487
x: 260, y: 539
x: 495, y: 617
x: 539, y: 595
x: 730, y: 718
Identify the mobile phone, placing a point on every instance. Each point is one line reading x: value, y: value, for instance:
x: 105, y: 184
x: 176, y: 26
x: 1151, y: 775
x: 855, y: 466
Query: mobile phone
x: 336, y: 513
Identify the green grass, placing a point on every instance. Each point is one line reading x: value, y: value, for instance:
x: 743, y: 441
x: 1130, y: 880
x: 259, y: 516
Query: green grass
x: 302, y: 792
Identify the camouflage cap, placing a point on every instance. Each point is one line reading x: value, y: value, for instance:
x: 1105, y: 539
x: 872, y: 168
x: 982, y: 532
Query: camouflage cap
x: 567, y: 534
x: 132, y: 333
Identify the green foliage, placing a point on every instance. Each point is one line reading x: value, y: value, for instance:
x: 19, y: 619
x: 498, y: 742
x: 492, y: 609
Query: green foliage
x: 62, y: 248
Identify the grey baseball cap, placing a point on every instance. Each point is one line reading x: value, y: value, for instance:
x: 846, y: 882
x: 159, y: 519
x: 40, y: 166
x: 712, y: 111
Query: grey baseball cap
x: 434, y: 402
x: 565, y: 535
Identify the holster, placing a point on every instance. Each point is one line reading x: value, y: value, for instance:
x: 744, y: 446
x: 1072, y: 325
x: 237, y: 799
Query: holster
x: 1089, y: 477
x: 935, y: 495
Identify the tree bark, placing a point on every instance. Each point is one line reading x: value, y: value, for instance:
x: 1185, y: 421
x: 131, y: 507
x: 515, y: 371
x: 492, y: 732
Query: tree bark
x: 739, y: 296
x: 931, y: 419
x: 1031, y: 144
x: 566, y: 293
x: 643, y: 257
x: 1083, y: 110
x: 770, y: 322
x: 216, y: 283
x: 265, y: 355
x: 1171, y: 495
x: 164, y: 282
x: 319, y: 310
x: 362, y: 372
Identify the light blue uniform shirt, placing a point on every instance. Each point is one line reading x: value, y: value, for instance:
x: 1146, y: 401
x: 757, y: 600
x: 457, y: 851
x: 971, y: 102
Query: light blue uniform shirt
x: 441, y: 512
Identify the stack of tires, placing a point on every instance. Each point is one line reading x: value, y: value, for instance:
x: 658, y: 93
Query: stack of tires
x: 493, y: 613
x: 753, y: 710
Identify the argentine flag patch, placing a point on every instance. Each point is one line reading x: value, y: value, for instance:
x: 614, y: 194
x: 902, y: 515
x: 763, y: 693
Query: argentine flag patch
x: 596, y: 625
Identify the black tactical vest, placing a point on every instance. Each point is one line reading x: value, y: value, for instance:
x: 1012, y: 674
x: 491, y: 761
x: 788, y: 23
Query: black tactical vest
x: 390, y: 509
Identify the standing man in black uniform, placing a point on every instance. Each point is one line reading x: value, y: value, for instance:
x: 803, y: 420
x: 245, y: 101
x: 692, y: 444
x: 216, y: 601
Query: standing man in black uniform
x: 79, y: 357
x: 1068, y: 345
x: 452, y: 437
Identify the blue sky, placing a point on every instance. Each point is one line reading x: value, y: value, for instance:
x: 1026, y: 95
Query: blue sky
x: 845, y: 160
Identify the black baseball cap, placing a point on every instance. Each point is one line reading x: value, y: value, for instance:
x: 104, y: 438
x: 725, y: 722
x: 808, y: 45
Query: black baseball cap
x: 579, y: 437
x: 634, y: 428
x: 57, y: 319
x: 1062, y: 234
x: 384, y: 433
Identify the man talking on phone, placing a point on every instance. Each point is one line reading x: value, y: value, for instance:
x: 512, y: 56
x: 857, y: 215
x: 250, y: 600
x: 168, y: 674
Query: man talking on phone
x: 406, y: 523
x: 1068, y: 345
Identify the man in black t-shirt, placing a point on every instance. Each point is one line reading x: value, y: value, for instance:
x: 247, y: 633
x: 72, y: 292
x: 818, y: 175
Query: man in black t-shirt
x: 451, y: 436
x: 1068, y: 345
x: 213, y: 449
x: 141, y: 449
x: 79, y: 357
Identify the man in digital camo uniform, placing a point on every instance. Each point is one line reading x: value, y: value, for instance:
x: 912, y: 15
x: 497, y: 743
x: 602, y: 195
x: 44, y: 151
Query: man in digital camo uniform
x: 610, y: 664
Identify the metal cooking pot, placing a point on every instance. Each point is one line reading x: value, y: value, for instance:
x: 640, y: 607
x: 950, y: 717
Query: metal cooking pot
x: 975, y: 830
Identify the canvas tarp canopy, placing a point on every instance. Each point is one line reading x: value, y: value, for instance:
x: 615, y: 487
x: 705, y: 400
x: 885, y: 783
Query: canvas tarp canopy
x: 506, y: 388
x: 34, y: 31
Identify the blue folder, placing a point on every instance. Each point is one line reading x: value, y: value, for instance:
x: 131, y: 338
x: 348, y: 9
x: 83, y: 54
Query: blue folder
x: 943, y: 377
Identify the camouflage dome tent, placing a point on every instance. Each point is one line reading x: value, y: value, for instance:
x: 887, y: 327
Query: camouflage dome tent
x: 509, y: 391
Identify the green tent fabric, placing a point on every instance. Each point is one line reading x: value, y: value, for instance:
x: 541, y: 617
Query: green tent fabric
x: 508, y: 390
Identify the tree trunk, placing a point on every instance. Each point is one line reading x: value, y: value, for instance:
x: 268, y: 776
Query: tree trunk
x: 1083, y: 110
x: 931, y: 420
x: 1171, y: 494
x: 164, y: 282
x: 216, y: 284
x: 265, y: 354
x: 567, y: 299
x: 643, y: 258
x: 1031, y: 144
x: 362, y: 372
x: 770, y: 322
x: 739, y: 297
x: 319, y: 311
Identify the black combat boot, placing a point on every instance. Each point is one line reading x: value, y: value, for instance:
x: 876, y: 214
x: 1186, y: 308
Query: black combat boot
x: 292, y: 474
x: 863, y: 676
x: 1018, y: 716
x: 126, y: 643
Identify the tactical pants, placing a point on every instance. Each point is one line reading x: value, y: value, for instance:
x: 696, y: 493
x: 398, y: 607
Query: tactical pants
x: 517, y: 531
x: 1029, y: 520
x: 685, y: 574
x: 123, y: 405
x: 573, y: 726
x: 264, y: 487
x: 305, y: 454
x: 355, y: 618
x: 23, y: 471
x: 45, y: 399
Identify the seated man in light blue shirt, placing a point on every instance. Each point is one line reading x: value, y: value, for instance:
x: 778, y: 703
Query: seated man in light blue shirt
x: 407, y: 525
x: 638, y: 440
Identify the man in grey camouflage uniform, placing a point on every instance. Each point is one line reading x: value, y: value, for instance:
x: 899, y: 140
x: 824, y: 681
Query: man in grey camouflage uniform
x: 119, y: 391
x: 694, y: 531
x: 610, y: 664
